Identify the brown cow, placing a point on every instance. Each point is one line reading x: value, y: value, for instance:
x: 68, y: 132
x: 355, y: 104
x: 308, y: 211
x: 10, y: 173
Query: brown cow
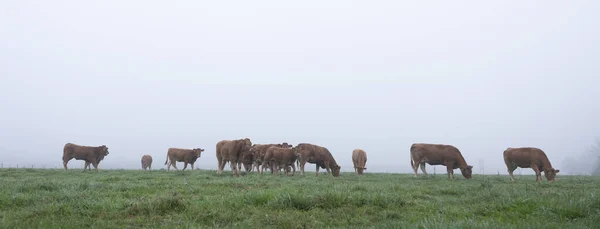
x: 89, y: 154
x: 259, y: 151
x: 278, y: 157
x: 146, y: 162
x: 187, y: 156
x: 438, y: 154
x: 529, y: 157
x: 318, y: 155
x: 231, y: 151
x: 359, y: 159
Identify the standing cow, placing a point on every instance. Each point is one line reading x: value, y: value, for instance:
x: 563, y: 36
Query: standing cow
x: 231, y: 151
x: 146, y: 162
x: 278, y: 157
x: 359, y: 159
x: 187, y: 156
x: 529, y: 157
x: 318, y: 155
x: 259, y: 151
x: 438, y: 154
x: 90, y: 154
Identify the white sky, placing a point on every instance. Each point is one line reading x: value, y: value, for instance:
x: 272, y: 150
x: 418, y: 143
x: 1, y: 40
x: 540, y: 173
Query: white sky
x: 142, y: 76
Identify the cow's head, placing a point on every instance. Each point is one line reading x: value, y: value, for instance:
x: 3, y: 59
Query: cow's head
x: 198, y: 152
x: 285, y: 145
x: 104, y: 150
x: 246, y: 145
x: 335, y: 170
x: 550, y: 173
x: 467, y: 171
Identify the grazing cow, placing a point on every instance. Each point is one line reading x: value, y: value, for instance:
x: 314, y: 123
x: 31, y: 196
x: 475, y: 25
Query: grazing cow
x: 278, y: 157
x: 146, y: 162
x: 359, y: 159
x: 259, y: 151
x: 90, y: 154
x: 231, y: 151
x: 187, y: 156
x: 318, y: 155
x: 529, y: 157
x: 438, y: 154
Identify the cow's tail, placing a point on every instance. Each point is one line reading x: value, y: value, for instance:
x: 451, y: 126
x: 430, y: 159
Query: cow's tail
x: 167, y: 159
x: 412, y: 164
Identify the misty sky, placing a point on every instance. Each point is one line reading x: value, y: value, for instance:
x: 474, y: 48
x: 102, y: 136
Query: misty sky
x: 143, y: 76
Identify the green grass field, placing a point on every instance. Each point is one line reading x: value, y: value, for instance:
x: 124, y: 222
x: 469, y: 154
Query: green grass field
x: 37, y: 198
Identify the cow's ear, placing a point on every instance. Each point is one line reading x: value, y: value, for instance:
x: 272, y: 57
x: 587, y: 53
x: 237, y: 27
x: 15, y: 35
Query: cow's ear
x: 556, y: 171
x: 469, y: 167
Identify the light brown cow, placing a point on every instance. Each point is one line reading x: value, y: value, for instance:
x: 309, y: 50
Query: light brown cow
x: 359, y: 159
x: 90, y: 154
x: 278, y: 157
x: 231, y: 151
x: 187, y: 156
x: 318, y: 155
x: 146, y: 162
x: 259, y: 151
x: 439, y: 154
x: 529, y: 157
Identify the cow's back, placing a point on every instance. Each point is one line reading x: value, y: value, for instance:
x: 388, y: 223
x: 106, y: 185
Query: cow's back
x: 77, y: 151
x: 525, y: 156
x: 434, y: 153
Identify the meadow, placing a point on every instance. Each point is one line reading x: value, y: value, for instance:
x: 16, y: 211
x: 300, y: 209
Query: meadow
x: 54, y: 198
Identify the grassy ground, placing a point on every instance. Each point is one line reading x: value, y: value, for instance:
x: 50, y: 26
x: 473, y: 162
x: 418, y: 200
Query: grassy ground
x: 36, y: 198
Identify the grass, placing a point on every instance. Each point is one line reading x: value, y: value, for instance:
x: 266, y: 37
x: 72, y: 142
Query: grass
x: 38, y: 198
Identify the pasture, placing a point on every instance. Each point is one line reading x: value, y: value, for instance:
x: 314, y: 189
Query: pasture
x: 53, y: 198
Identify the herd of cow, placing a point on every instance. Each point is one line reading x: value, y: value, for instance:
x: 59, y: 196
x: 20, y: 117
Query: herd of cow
x: 285, y: 156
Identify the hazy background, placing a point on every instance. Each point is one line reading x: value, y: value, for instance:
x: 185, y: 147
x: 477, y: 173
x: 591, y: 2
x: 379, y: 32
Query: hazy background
x: 143, y: 76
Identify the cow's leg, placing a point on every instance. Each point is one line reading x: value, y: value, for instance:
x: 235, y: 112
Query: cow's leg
x: 65, y: 161
x: 174, y: 164
x: 538, y: 174
x: 450, y: 170
x: 415, y: 167
x: 317, y: 169
x: 293, y: 169
x: 87, y: 164
x: 233, y: 166
x: 302, y: 164
x: 511, y: 168
x: 184, y: 166
x: 423, y: 168
x: 219, y: 162
x: 95, y: 164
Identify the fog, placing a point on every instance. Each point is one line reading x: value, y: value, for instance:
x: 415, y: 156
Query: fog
x: 143, y: 76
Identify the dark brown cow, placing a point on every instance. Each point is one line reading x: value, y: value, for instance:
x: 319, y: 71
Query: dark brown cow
x: 278, y: 157
x: 90, y: 154
x: 231, y: 151
x: 438, y: 154
x: 146, y: 162
x: 259, y: 151
x: 318, y: 155
x: 359, y: 159
x: 187, y: 156
x: 529, y: 157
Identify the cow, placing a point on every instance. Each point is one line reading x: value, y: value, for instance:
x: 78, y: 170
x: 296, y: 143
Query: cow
x: 187, y: 156
x: 278, y: 157
x: 359, y: 159
x: 146, y: 162
x: 259, y: 151
x: 529, y: 157
x: 231, y: 151
x: 90, y: 154
x: 318, y: 155
x: 439, y: 154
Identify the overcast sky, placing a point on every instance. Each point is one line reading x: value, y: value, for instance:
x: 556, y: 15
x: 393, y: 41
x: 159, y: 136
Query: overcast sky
x: 143, y: 76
